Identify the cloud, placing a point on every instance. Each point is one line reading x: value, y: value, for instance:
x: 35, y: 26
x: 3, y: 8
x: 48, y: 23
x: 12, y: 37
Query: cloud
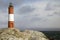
x: 57, y: 13
x: 26, y: 10
x: 4, y: 3
x: 33, y: 18
x: 41, y: 18
x: 53, y: 6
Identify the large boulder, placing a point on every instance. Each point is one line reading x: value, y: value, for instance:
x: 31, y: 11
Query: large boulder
x: 35, y: 35
x: 15, y: 34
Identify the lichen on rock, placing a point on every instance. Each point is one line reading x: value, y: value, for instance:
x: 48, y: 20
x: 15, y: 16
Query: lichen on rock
x: 15, y: 34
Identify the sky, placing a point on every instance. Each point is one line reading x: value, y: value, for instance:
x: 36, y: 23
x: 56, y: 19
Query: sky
x: 32, y: 14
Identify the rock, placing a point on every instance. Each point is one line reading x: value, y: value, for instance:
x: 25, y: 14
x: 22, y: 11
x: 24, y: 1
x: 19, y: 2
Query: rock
x: 15, y: 34
x: 35, y: 35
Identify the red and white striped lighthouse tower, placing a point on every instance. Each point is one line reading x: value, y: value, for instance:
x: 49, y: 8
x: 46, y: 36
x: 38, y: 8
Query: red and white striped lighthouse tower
x: 10, y: 16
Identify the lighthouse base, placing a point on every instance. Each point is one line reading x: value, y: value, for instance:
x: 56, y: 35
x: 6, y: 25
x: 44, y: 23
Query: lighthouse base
x: 10, y: 24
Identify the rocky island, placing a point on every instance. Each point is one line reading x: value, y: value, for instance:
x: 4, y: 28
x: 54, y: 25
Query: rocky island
x: 15, y: 34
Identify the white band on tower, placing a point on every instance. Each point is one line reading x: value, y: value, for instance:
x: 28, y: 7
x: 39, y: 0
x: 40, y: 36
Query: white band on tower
x: 11, y: 17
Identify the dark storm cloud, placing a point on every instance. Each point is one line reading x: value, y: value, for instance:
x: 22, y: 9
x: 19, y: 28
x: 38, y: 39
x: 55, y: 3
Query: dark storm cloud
x: 26, y: 10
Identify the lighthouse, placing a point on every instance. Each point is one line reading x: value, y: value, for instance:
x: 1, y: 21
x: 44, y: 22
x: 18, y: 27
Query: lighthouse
x: 10, y: 16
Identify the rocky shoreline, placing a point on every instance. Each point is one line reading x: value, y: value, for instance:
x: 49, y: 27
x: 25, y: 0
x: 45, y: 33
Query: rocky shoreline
x: 15, y: 34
